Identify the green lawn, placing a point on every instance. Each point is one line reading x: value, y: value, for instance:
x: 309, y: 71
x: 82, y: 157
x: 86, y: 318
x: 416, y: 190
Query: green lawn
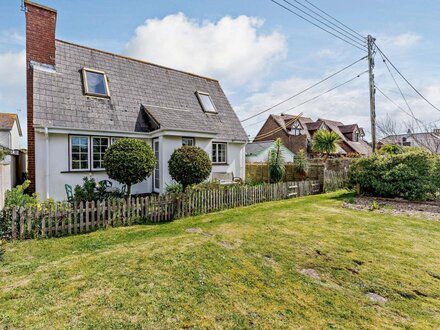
x: 240, y: 269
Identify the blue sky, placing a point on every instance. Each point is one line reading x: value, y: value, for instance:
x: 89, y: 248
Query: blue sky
x: 260, y: 52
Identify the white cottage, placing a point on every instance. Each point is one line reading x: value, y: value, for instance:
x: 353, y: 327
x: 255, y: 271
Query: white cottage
x: 81, y: 100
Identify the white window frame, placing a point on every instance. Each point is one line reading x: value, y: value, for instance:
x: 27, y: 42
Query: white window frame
x: 198, y: 93
x: 92, y: 153
x: 356, y: 136
x: 86, y: 86
x: 217, y: 152
x: 296, y: 128
x: 193, y: 141
x: 71, y: 154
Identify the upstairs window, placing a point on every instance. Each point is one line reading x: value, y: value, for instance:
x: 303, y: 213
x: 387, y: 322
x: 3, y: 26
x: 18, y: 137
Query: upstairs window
x: 296, y: 128
x: 355, y: 136
x: 206, y: 102
x: 95, y: 83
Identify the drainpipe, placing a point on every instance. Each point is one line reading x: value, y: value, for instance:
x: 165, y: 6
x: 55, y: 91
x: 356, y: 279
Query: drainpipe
x: 46, y: 134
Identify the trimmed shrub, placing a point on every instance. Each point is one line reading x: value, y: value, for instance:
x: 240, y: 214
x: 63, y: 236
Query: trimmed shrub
x: 129, y: 161
x: 189, y: 165
x: 410, y: 175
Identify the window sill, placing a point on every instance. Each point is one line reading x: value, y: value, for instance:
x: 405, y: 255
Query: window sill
x: 220, y: 163
x: 83, y: 171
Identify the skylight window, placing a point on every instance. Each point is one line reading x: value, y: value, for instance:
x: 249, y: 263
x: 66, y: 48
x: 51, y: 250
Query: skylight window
x: 206, y: 102
x: 95, y: 83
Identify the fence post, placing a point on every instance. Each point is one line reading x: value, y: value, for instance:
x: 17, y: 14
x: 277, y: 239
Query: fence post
x: 14, y: 223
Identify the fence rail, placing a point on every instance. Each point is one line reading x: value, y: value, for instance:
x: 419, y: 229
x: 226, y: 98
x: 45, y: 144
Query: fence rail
x: 68, y: 219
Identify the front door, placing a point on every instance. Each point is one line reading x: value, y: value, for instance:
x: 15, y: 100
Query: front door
x: 156, y: 173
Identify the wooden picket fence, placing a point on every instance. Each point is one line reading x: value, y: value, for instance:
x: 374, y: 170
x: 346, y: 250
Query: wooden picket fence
x: 63, y: 219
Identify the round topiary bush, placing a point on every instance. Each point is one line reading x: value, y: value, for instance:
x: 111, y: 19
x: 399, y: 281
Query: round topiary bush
x: 129, y: 161
x: 189, y: 165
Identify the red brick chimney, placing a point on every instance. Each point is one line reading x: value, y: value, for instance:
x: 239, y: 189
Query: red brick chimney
x: 40, y: 48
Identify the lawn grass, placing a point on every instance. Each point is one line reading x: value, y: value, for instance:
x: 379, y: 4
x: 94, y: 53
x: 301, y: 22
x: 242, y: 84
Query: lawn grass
x: 240, y: 269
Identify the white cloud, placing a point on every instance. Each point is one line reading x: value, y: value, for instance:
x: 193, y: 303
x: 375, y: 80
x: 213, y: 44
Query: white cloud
x: 349, y: 104
x: 326, y: 52
x: 9, y: 37
x: 231, y: 49
x: 13, y: 81
x: 405, y: 40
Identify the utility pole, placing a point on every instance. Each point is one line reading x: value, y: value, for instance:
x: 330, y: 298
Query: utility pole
x: 370, y: 41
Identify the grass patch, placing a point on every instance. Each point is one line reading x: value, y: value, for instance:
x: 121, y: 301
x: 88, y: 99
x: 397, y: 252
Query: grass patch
x: 303, y: 263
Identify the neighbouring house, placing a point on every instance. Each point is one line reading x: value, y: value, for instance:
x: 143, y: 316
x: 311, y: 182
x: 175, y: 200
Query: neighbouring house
x: 297, y: 134
x: 427, y: 140
x: 81, y: 100
x: 258, y: 152
x: 13, y: 166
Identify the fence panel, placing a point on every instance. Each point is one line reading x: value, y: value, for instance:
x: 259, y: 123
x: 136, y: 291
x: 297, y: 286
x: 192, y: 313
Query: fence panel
x: 65, y: 219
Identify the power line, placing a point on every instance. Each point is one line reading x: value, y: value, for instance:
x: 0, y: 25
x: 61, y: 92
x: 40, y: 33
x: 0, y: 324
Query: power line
x: 398, y: 106
x: 317, y: 96
x: 354, y: 39
x: 406, y: 80
x: 397, y: 85
x: 304, y: 90
x: 318, y: 26
x: 336, y: 20
x: 355, y: 35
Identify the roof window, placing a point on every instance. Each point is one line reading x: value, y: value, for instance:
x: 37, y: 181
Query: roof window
x: 95, y: 83
x: 206, y: 102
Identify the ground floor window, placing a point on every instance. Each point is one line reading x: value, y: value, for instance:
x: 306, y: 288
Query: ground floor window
x: 219, y: 152
x: 99, y: 146
x: 79, y: 152
x: 87, y: 152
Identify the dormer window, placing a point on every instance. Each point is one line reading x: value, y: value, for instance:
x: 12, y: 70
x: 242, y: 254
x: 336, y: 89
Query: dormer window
x: 95, y: 83
x: 206, y: 102
x: 355, y: 136
x: 296, y: 128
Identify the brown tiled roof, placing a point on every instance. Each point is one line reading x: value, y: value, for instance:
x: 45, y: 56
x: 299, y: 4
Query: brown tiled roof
x: 348, y: 128
x: 7, y: 121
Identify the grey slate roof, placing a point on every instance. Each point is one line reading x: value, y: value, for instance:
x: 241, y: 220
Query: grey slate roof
x: 255, y: 148
x: 167, y: 94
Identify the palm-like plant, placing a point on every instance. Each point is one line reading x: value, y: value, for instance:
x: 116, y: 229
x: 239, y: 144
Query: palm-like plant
x: 301, y: 164
x: 276, y: 162
x: 325, y: 142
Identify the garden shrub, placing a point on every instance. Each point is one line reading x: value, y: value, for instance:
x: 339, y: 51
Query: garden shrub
x: 410, y: 174
x: 277, y: 166
x: 129, y: 161
x: 18, y: 197
x: 189, y: 165
x: 301, y: 164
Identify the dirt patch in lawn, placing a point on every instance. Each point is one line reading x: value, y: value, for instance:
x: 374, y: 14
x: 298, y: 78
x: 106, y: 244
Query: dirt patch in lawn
x: 424, y: 210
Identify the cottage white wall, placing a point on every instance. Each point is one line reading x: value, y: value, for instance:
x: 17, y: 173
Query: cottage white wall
x: 235, y: 157
x: 11, y: 138
x: 59, y: 174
